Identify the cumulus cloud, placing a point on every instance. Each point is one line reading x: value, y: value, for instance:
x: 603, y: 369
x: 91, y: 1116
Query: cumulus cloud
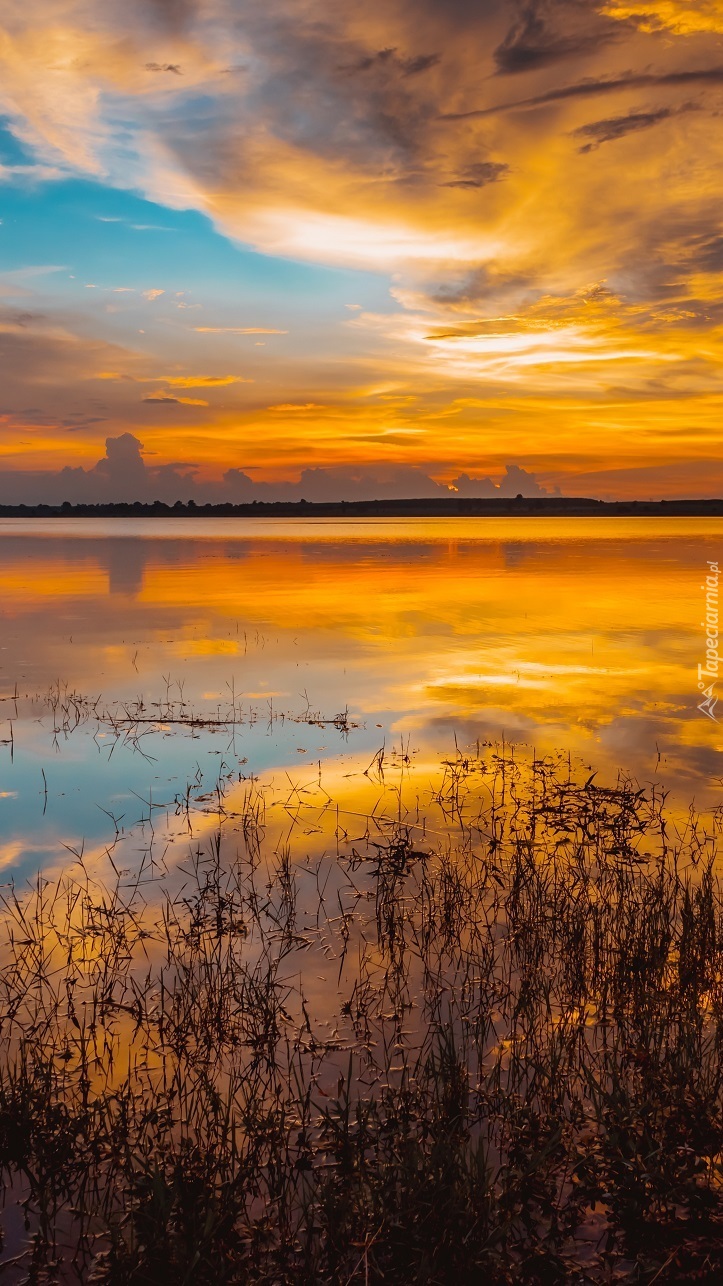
x: 516, y: 481
x: 123, y: 474
x: 122, y: 463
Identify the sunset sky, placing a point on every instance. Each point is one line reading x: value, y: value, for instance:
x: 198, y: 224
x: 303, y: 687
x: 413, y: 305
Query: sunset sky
x: 395, y: 240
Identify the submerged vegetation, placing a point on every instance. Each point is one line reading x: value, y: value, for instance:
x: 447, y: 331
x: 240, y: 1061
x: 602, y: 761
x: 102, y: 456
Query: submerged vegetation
x: 470, y: 1034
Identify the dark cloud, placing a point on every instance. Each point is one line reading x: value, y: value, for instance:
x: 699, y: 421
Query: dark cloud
x: 75, y: 422
x: 321, y: 88
x: 372, y: 108
x: 479, y: 175
x: 680, y: 250
x: 413, y: 66
x: 165, y: 397
x: 174, y: 67
x: 122, y: 462
x: 516, y: 481
x: 124, y: 475
x: 598, y: 85
x: 483, y: 283
x: 533, y: 41
x: 380, y: 58
x: 705, y: 253
x: 390, y: 58
x: 607, y: 131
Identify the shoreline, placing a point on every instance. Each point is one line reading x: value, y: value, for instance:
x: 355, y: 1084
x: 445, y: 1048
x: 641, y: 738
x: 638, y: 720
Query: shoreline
x: 521, y: 507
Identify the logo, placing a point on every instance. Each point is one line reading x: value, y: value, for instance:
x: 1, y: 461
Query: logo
x: 708, y: 673
x: 708, y: 706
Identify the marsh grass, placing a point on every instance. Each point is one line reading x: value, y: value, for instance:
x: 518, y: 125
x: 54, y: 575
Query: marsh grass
x: 130, y: 720
x: 472, y: 1035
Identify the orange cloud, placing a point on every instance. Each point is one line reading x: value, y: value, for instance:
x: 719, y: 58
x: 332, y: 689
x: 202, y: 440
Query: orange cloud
x: 181, y: 401
x: 296, y: 406
x: 549, y: 297
x: 238, y: 330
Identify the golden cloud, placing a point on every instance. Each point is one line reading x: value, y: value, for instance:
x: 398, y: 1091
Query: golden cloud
x: 669, y: 15
x: 182, y: 401
x: 238, y: 330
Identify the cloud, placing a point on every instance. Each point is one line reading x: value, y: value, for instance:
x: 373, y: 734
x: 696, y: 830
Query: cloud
x: 201, y: 381
x: 178, y: 401
x: 172, y: 67
x: 390, y: 58
x: 176, y: 381
x: 30, y: 173
x: 343, y: 137
x: 516, y: 481
x: 479, y: 175
x: 123, y: 475
x: 297, y: 406
x: 607, y: 131
x: 122, y: 460
x: 533, y: 41
x: 594, y: 86
x: 680, y: 17
x: 704, y: 253
x: 152, y: 294
x: 238, y: 330
x: 423, y: 62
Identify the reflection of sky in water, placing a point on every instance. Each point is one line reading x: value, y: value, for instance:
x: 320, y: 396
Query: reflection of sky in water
x: 575, y: 634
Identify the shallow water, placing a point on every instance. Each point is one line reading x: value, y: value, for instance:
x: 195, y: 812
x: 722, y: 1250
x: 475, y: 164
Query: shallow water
x: 574, y: 634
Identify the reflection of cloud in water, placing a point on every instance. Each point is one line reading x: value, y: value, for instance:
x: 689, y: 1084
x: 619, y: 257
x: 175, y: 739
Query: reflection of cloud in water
x: 562, y: 634
x: 125, y: 560
x: 492, y: 725
x: 635, y: 740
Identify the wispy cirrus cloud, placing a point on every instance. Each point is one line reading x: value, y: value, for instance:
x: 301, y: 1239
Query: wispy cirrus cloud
x: 167, y: 398
x: 599, y: 86
x: 238, y: 330
x: 615, y: 127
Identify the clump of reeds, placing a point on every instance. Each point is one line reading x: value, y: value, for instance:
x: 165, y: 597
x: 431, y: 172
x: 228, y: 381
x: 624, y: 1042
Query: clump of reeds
x: 509, y: 1071
x: 129, y: 721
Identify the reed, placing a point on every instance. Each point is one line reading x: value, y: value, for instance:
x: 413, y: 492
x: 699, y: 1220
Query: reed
x: 472, y: 1038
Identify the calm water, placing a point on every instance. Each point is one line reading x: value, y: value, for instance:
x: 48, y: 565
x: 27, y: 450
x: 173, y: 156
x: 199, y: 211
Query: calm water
x: 573, y: 634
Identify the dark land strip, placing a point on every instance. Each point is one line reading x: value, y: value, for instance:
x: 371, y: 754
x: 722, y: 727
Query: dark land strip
x: 520, y: 507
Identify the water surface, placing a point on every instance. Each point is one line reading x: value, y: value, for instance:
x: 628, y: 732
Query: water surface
x: 578, y: 634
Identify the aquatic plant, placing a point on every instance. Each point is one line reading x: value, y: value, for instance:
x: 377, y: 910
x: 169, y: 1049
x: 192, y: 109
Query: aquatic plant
x: 471, y: 1035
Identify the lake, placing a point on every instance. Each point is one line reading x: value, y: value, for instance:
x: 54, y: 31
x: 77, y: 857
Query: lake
x: 285, y: 650
x: 359, y: 890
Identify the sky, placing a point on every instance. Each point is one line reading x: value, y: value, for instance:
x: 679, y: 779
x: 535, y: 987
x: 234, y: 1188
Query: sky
x: 332, y: 249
